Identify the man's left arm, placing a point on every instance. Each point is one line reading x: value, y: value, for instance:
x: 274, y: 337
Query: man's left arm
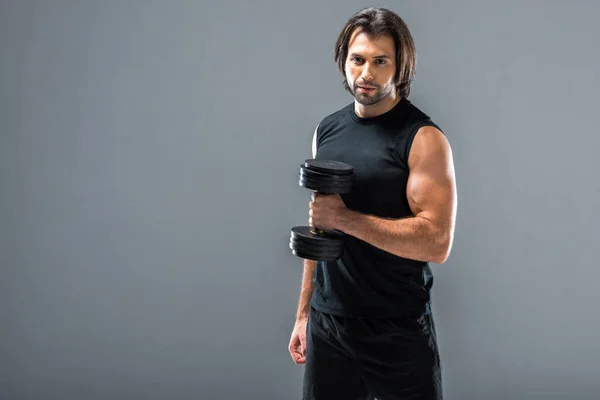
x: 431, y: 193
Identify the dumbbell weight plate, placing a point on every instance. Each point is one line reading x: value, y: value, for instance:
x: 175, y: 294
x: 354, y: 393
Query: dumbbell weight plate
x: 326, y: 176
x: 324, y: 187
x: 329, y: 167
x: 329, y: 240
x: 326, y: 181
x: 317, y: 256
x: 315, y: 252
x: 326, y: 246
x: 306, y: 232
x: 334, y: 245
x: 305, y: 172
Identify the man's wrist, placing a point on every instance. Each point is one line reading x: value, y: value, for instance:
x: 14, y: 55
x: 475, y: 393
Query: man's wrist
x: 301, y: 316
x: 346, y: 219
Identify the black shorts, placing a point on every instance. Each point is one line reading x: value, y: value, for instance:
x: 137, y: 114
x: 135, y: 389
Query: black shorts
x: 362, y: 358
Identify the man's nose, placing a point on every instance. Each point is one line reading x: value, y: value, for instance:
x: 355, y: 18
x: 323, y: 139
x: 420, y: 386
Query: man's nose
x: 367, y: 74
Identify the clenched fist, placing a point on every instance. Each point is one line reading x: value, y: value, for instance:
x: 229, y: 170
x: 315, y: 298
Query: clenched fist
x: 297, y: 345
x: 326, y: 210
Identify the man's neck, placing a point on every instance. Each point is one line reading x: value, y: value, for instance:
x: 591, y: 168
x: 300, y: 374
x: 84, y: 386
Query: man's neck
x: 381, y: 107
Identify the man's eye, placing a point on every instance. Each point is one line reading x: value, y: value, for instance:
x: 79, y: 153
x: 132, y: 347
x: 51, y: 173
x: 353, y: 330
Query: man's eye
x: 356, y: 59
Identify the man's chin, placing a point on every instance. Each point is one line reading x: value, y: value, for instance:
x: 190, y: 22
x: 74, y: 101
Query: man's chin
x: 366, y: 100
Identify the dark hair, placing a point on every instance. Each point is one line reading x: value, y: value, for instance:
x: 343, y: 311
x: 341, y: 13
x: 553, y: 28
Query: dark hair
x: 375, y: 22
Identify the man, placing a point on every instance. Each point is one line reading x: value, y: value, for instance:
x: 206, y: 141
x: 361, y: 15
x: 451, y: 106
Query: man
x: 364, y: 326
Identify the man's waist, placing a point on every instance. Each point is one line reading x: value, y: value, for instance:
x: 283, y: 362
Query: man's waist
x: 358, y: 307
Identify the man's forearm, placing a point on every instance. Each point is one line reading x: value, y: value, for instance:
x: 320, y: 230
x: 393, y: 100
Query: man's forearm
x: 414, y: 238
x: 306, y: 290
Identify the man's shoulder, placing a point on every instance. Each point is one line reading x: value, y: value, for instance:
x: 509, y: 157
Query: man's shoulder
x: 416, y: 112
x: 336, y: 116
x: 417, y: 118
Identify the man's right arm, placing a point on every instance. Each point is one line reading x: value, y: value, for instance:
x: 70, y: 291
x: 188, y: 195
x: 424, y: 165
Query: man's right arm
x: 308, y: 286
x: 306, y: 290
x: 297, y: 345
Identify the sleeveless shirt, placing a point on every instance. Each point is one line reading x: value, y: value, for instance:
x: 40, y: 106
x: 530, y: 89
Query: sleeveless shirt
x: 367, y: 281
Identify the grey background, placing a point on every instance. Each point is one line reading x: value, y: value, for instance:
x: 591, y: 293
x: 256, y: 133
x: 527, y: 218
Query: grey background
x: 148, y: 165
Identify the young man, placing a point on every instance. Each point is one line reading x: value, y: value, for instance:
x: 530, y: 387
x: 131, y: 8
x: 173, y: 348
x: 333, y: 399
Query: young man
x: 364, y: 326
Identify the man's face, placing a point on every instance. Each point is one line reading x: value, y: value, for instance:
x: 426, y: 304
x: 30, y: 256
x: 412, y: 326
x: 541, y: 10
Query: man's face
x: 370, y: 67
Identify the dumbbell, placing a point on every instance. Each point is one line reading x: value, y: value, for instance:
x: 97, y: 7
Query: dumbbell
x: 324, y: 177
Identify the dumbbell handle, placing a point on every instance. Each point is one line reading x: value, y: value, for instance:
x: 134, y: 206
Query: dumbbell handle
x: 317, y: 231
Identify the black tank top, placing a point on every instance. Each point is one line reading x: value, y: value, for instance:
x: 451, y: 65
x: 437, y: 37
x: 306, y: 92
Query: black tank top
x: 367, y: 281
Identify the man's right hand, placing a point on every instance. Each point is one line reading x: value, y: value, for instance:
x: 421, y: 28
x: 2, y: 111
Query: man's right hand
x: 297, y: 346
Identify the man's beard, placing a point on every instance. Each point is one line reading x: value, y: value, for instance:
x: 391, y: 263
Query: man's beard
x: 368, y: 99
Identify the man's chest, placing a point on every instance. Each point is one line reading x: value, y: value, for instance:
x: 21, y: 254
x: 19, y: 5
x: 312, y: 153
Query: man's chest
x: 380, y: 177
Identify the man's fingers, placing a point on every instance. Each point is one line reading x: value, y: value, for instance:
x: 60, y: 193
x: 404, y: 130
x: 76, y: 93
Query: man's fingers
x: 303, y: 344
x: 297, y: 345
x: 297, y: 350
x: 299, y: 358
x: 299, y: 355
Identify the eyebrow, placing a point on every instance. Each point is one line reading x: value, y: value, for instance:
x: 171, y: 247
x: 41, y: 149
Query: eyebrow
x: 358, y: 55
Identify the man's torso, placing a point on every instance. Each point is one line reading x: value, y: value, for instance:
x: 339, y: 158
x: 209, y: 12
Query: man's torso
x: 367, y: 281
